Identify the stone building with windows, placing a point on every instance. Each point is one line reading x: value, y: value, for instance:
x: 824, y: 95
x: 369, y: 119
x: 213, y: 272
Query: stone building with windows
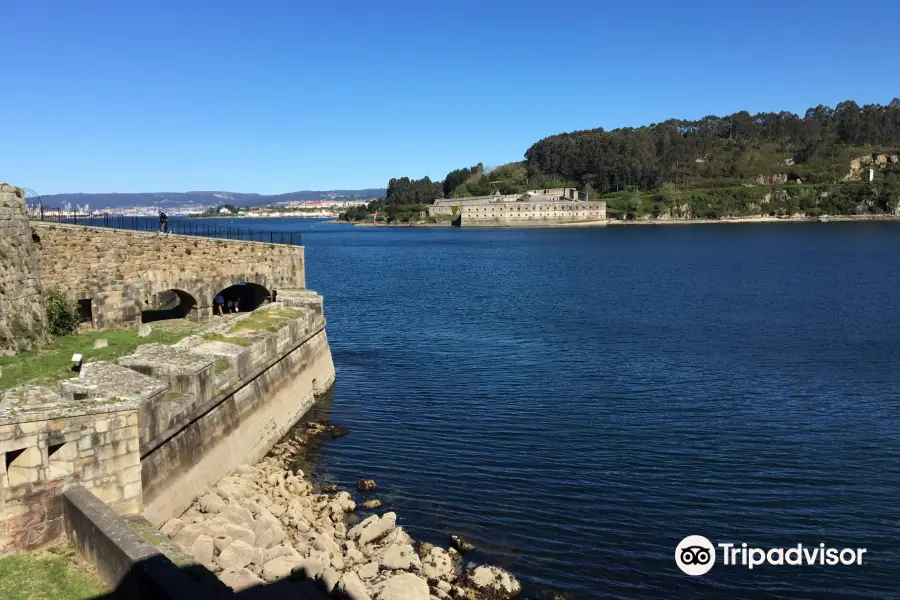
x: 536, y: 208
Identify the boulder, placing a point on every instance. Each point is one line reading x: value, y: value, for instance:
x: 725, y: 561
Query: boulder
x: 338, y: 562
x: 188, y: 534
x: 370, y: 504
x: 144, y: 330
x: 366, y: 485
x: 211, y: 503
x: 329, y: 579
x: 352, y: 587
x: 326, y: 543
x: 277, y: 551
x: 172, y: 527
x: 437, y: 564
x: 222, y: 542
x: 240, y: 533
x: 238, y: 554
x: 271, y: 536
x: 373, y: 528
x: 461, y: 544
x: 239, y: 578
x: 368, y: 570
x: 493, y: 582
x: 404, y: 586
x: 202, y: 549
x: 355, y: 556
x: 401, y: 557
x: 313, y: 566
x: 280, y: 567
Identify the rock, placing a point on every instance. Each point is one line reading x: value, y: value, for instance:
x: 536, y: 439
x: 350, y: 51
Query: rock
x: 404, y: 586
x: 188, y: 534
x: 202, y: 549
x: 326, y: 543
x: 240, y: 533
x: 312, y: 566
x: 211, y: 503
x: 399, y: 557
x: 355, y: 556
x: 277, y: 510
x: 278, y: 551
x: 222, y: 542
x: 461, y: 544
x: 237, y: 515
x: 172, y: 527
x: 339, y: 431
x: 100, y: 343
x: 493, y: 581
x: 238, y: 554
x: 272, y: 536
x: 437, y: 564
x: 144, y: 330
x: 337, y: 562
x: 328, y: 580
x: 279, y: 568
x: 368, y: 570
x: 444, y: 586
x: 370, y: 504
x: 239, y: 578
x: 366, y: 485
x: 373, y: 528
x: 352, y: 587
x: 397, y: 536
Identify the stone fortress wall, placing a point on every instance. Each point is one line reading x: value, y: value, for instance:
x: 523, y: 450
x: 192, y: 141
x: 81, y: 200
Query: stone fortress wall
x: 120, y: 272
x: 143, y: 434
x: 22, y: 318
x: 534, y: 208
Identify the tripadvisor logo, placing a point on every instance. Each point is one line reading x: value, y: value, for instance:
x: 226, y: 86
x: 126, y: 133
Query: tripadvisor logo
x: 696, y: 555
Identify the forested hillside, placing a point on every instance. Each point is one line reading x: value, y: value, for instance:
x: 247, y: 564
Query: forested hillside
x: 735, y: 165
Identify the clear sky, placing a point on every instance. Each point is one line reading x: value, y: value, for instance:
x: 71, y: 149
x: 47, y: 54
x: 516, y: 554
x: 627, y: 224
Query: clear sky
x: 283, y: 95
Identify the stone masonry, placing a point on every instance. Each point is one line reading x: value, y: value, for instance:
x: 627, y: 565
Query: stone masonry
x: 46, y: 443
x: 121, y: 272
x: 22, y: 317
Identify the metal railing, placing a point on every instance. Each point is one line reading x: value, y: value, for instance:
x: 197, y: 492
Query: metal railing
x: 177, y: 226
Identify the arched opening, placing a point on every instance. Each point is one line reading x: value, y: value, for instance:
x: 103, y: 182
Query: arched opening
x: 170, y: 304
x: 240, y: 297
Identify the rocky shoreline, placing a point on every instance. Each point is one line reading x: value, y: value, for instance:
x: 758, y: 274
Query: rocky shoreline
x: 266, y: 523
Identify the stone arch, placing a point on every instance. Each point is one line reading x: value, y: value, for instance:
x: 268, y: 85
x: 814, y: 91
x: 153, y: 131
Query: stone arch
x: 168, y: 304
x: 247, y: 296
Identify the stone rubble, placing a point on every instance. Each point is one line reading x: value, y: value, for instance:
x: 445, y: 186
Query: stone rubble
x: 264, y: 523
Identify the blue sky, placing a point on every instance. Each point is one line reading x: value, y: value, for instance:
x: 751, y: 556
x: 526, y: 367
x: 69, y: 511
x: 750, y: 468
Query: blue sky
x: 282, y: 95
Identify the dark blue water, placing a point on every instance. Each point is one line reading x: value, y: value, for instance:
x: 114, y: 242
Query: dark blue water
x: 577, y: 401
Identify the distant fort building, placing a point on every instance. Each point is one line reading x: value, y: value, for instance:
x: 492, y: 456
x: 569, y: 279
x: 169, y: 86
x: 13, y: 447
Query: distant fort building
x: 533, y: 208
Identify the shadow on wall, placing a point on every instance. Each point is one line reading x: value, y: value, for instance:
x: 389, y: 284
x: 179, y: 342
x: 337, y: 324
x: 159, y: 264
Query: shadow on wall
x: 248, y: 296
x: 171, y: 304
x: 158, y: 578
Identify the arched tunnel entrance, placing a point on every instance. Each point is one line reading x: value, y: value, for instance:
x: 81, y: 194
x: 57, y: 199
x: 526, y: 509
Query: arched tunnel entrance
x: 170, y: 304
x: 240, y: 297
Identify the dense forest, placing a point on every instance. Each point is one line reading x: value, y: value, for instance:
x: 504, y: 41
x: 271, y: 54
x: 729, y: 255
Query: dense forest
x: 739, y: 164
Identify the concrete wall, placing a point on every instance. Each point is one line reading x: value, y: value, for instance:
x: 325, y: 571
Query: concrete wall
x: 120, y: 271
x: 237, y: 428
x: 49, y: 447
x: 532, y: 213
x: 22, y: 318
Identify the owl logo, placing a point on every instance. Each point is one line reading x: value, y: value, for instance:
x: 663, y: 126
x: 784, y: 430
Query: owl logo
x: 695, y: 555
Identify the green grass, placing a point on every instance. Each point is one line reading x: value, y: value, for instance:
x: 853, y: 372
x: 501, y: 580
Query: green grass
x: 58, y: 573
x: 266, y: 320
x: 173, y: 396
x: 52, y: 362
x: 217, y: 337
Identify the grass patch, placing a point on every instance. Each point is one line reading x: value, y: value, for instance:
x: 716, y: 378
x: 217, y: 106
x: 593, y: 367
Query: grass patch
x: 221, y: 367
x: 57, y: 573
x: 49, y: 363
x: 217, y: 337
x: 266, y: 320
x: 173, y: 396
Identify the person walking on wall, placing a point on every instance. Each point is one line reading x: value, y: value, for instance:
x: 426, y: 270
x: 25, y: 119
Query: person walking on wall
x: 163, y: 222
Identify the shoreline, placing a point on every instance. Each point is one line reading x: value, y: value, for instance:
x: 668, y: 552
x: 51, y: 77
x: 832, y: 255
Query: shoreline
x: 270, y: 522
x: 619, y: 222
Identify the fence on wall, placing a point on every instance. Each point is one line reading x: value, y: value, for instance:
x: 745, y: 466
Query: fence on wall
x: 177, y: 226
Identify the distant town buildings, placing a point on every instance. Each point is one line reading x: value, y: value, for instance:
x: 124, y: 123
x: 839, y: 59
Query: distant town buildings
x: 534, y: 207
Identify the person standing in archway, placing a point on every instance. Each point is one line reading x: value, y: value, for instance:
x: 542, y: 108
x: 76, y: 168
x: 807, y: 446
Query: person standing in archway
x: 219, y: 301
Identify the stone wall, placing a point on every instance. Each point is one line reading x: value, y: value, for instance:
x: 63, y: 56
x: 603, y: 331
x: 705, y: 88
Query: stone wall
x: 532, y: 214
x: 120, y: 271
x: 48, y: 444
x: 22, y: 318
x: 239, y: 427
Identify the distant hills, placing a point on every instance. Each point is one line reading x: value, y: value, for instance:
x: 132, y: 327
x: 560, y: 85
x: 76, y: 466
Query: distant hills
x: 172, y: 200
